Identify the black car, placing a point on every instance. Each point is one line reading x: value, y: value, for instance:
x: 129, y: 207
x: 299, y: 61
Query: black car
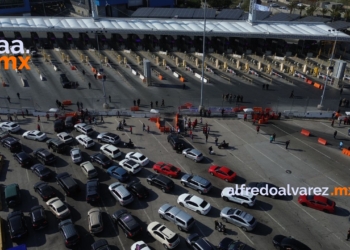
x: 44, y: 156
x: 58, y: 125
x: 17, y: 225
x: 92, y: 191
x: 23, y: 159
x: 137, y: 189
x: 56, y: 145
x: 41, y: 171
x: 101, y: 159
x: 175, y: 142
x: 127, y: 222
x: 230, y: 244
x: 195, y: 242
x: 44, y: 190
x: 38, y: 217
x: 264, y: 188
x: 12, y: 144
x: 161, y: 182
x: 69, y: 233
x: 101, y: 244
x: 283, y: 243
x: 67, y: 183
x: 70, y: 121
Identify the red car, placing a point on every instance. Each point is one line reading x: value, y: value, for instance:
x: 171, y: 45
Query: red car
x: 317, y: 202
x: 223, y: 173
x: 166, y: 169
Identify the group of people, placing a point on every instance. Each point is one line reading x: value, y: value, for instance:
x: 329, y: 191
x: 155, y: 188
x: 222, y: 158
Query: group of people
x: 230, y: 98
x: 156, y: 102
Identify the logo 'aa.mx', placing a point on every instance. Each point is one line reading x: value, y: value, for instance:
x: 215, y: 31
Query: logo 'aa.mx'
x: 14, y: 54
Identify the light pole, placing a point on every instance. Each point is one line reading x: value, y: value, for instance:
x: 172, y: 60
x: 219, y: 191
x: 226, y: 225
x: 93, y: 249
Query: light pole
x: 320, y: 106
x: 203, y: 55
x: 105, y: 104
x: 44, y: 7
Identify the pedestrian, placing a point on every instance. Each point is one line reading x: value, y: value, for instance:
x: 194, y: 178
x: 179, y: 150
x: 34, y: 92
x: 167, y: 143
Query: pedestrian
x: 216, y: 141
x: 274, y: 136
x: 89, y: 120
x: 287, y: 144
x: 47, y: 116
x: 192, y: 137
x: 49, y: 146
x: 118, y: 114
x: 151, y: 105
x: 267, y: 86
x: 27, y: 112
x: 332, y: 124
x: 38, y: 127
x: 56, y: 116
x: 156, y: 103
x: 38, y: 118
x: 78, y: 106
x: 263, y: 86
x: 339, y: 121
x: 134, y: 102
x: 15, y: 115
x: 335, y: 134
x: 257, y: 129
x: 138, y: 102
x: 348, y: 237
x: 143, y: 127
x: 241, y: 98
x: 23, y: 114
x: 245, y: 117
x: 147, y: 129
x: 183, y: 86
x: 130, y: 130
x: 206, y: 137
x: 209, y: 112
x: 83, y: 72
x: 291, y: 94
x: 102, y: 119
x: 18, y: 96
x: 89, y: 85
x: 110, y: 99
x: 162, y: 103
x: 341, y: 145
x: 9, y: 99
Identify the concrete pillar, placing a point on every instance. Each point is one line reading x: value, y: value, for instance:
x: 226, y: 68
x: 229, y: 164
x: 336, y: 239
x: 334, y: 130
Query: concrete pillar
x: 246, y: 66
x: 259, y: 65
x: 157, y: 60
x: 164, y: 62
x: 125, y: 61
x: 138, y: 60
x: 304, y: 68
x: 119, y: 58
x: 237, y: 64
x: 184, y: 63
x: 281, y: 67
x: 225, y: 65
x: 177, y: 61
x: 67, y: 58
x: 197, y: 63
x: 217, y: 65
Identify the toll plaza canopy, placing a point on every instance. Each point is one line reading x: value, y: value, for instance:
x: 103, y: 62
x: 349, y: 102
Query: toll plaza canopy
x: 214, y: 28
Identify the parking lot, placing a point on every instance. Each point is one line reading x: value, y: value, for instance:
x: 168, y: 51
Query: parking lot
x: 250, y: 155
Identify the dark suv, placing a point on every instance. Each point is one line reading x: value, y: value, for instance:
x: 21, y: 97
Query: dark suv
x: 67, y: 183
x: 175, y: 142
x: 57, y: 145
x: 38, y: 217
x: 58, y: 125
x: 137, y: 189
x: 101, y: 159
x: 161, y: 182
x: 127, y: 223
x: 23, y: 159
x: 69, y: 233
x: 44, y: 156
x: 17, y: 225
x: 92, y: 191
x: 12, y: 144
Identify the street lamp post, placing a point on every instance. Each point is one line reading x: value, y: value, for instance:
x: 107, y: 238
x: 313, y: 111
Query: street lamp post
x: 105, y: 104
x: 320, y: 106
x: 203, y: 55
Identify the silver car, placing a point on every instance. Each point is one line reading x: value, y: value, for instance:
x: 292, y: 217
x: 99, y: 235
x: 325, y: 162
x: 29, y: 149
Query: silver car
x: 237, y: 217
x: 197, y: 183
x: 76, y: 156
x: 193, y: 154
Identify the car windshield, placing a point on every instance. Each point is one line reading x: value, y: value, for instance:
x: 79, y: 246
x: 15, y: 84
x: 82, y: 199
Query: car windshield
x: 13, y: 125
x: 44, y: 171
x: 203, y: 204
x: 172, y: 239
x: 251, y: 222
x: 76, y: 155
x: 230, y: 173
x: 61, y: 208
x: 142, y: 157
x: 156, y: 226
x: 66, y: 137
x: 329, y: 202
x: 172, y: 168
x: 40, y: 133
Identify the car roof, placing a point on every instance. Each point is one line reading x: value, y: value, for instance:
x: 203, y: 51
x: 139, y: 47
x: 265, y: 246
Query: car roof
x: 94, y: 214
x: 200, y: 180
x: 195, y: 151
x: 195, y: 199
x: 230, y: 190
x: 297, y: 245
x: 320, y: 198
x: 109, y: 146
x: 63, y: 134
x: 22, y: 155
x: 118, y: 169
x: 137, y: 154
x: 11, y: 190
x: 87, y: 165
x: 166, y: 232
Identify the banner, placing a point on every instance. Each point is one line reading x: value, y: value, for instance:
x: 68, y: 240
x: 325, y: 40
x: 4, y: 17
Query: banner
x: 261, y: 7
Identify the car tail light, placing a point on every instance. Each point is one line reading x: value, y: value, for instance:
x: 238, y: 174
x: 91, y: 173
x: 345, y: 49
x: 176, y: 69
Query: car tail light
x: 130, y: 234
x: 67, y: 242
x: 205, y: 190
x: 170, y: 244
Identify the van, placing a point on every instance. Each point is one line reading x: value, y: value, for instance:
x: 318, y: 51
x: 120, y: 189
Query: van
x: 183, y: 220
x: 12, y: 195
x: 110, y: 151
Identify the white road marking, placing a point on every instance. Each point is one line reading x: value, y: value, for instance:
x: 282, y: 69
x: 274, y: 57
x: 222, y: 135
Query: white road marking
x: 185, y: 171
x: 27, y: 175
x: 333, y: 128
x: 160, y: 143
x: 246, y: 236
x: 272, y: 218
x: 144, y: 210
x: 299, y: 206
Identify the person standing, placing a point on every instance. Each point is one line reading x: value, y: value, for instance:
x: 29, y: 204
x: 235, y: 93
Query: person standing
x: 23, y: 114
x: 27, y: 112
x: 216, y: 141
x: 143, y: 127
x: 81, y: 105
x: 38, y: 118
x: 130, y: 130
x: 151, y: 105
x: 38, y: 127
x: 78, y: 106
x: 216, y: 224
x: 9, y: 99
x: 157, y: 104
x: 89, y: 85
x: 147, y: 129
x: 118, y: 114
x: 287, y: 144
x: 47, y: 116
x: 134, y: 103
x: 341, y: 145
x: 110, y: 99
x: 206, y: 137
x: 332, y: 124
x: 162, y: 103
x: 348, y: 237
x: 257, y: 129
x: 138, y: 102
x: 335, y: 134
x: 19, y: 97
x: 192, y: 137
x: 102, y: 119
x: 291, y: 94
x: 274, y: 137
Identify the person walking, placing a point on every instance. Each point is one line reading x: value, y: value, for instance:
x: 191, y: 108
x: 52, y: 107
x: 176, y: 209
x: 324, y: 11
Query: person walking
x: 192, y: 137
x: 291, y: 94
x: 81, y: 105
x: 110, y: 99
x: 287, y: 144
x: 245, y: 117
x: 206, y: 137
x: 274, y: 137
x: 257, y: 129
x: 27, y: 112
x: 102, y: 119
x: 23, y: 114
x: 162, y: 103
x: 216, y: 224
x: 134, y: 102
x: 348, y: 237
x: 216, y: 141
x: 148, y: 129
x: 335, y: 134
x: 151, y: 105
x: 47, y: 116
x: 89, y: 85
x: 19, y: 97
x: 118, y: 114
x: 38, y: 118
x: 38, y: 127
x: 9, y: 99
x: 130, y: 130
x: 15, y: 115
x: 157, y: 104
x: 78, y: 105
x: 332, y: 124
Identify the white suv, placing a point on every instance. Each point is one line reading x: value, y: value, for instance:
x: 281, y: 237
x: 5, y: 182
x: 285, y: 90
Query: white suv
x: 83, y: 128
x: 244, y: 198
x: 120, y: 193
x: 164, y: 235
x: 131, y: 166
x: 66, y: 138
x: 85, y: 140
x: 110, y: 151
x: 10, y: 126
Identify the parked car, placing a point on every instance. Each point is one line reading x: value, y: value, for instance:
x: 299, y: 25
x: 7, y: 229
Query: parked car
x: 69, y: 233
x: 70, y: 121
x: 175, y: 142
x: 12, y: 144
x: 17, y: 225
x: 130, y: 166
x: 10, y: 126
x: 194, y: 203
x: 193, y: 154
x: 101, y: 159
x: 137, y: 189
x: 41, y: 171
x: 85, y: 141
x: 95, y: 220
x: 130, y: 226
x: 160, y: 181
x: 223, y: 173
x: 84, y: 128
x: 12, y: 195
x: 56, y: 145
x: 88, y: 169
x: 230, y: 244
x: 58, y: 125
x: 35, y: 135
x: 92, y: 190
x: 183, y: 220
x: 109, y: 138
x: 167, y: 169
x: 101, y: 244
x: 240, y: 196
x: 318, y: 202
x: 120, y: 193
x: 285, y: 243
x: 110, y: 151
x: 44, y: 156
x: 164, y: 235
x: 45, y: 191
x: 238, y: 218
x: 76, y: 155
x: 118, y: 172
x: 140, y: 245
x: 65, y: 137
x: 58, y: 208
x: 137, y: 157
x: 67, y: 183
x: 38, y: 217
x: 194, y: 241
x: 23, y: 159
x: 66, y: 84
x: 196, y: 182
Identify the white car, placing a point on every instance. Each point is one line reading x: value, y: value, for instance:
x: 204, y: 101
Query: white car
x: 110, y: 151
x: 83, y: 128
x: 58, y: 208
x: 164, y: 235
x: 300, y: 5
x: 194, y: 203
x: 66, y: 138
x: 131, y: 166
x: 244, y: 198
x: 76, y: 156
x: 85, y: 140
x: 88, y: 169
x: 140, y: 245
x: 137, y: 157
x: 35, y: 135
x: 10, y: 126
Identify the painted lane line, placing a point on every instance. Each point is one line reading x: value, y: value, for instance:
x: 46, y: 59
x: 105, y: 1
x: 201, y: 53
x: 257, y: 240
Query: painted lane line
x: 246, y: 236
x: 144, y: 210
x: 298, y: 205
x: 185, y: 171
x: 333, y: 128
x: 248, y: 167
x: 272, y: 218
x: 160, y: 143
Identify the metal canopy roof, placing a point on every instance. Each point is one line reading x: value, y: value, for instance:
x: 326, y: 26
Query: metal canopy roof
x: 282, y: 17
x: 230, y: 14
x: 260, y: 15
x: 217, y: 28
x: 184, y: 13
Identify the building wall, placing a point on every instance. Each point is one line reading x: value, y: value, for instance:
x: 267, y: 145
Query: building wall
x: 17, y: 10
x: 160, y: 3
x: 110, y: 2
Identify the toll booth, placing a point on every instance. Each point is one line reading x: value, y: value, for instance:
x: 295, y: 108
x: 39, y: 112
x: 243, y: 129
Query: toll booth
x: 51, y: 38
x: 68, y: 39
x: 118, y: 41
x: 220, y: 44
x: 188, y: 43
x: 84, y: 39
x: 135, y: 41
